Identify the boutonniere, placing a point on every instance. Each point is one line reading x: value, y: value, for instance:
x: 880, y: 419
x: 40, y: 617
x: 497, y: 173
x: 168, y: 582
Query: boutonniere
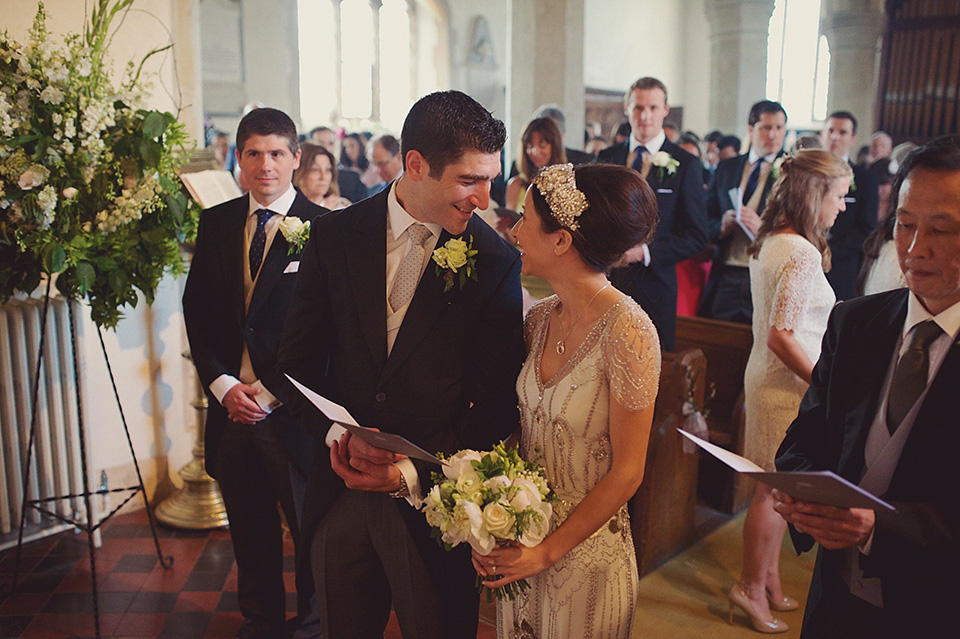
x: 664, y: 162
x: 456, y: 259
x: 775, y: 170
x: 296, y: 232
x: 853, y: 186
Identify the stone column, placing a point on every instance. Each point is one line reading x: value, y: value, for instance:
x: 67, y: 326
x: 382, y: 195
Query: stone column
x: 854, y: 31
x: 738, y: 54
x: 545, y: 64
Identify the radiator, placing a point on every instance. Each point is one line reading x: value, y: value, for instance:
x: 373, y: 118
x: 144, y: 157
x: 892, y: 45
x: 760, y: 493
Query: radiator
x: 55, y: 468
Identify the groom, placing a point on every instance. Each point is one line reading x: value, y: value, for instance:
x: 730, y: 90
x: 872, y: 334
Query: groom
x: 372, y: 327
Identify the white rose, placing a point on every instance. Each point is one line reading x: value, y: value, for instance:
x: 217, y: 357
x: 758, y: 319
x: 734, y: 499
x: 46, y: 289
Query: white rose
x: 460, y: 461
x: 537, y: 525
x: 527, y: 494
x: 499, y: 521
x: 498, y: 484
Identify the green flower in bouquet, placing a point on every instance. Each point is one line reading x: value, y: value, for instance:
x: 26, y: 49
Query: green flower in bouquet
x: 88, y: 184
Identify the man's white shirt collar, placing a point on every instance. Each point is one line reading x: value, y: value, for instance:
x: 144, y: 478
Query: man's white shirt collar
x: 948, y: 320
x: 652, y: 146
x: 400, y: 220
x: 753, y: 156
x: 280, y: 206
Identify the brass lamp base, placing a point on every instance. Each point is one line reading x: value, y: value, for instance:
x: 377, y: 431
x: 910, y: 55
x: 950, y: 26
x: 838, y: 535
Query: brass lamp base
x: 196, y: 506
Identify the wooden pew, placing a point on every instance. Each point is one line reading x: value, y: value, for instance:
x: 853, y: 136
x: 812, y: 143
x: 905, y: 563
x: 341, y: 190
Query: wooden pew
x: 726, y: 346
x: 662, y: 511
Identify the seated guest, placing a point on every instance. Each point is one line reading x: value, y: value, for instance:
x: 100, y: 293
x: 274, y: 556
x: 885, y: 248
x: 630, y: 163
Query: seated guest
x: 728, y: 147
x: 353, y: 155
x: 881, y: 146
x: 881, y: 412
x: 348, y: 180
x: 884, y: 170
x: 881, y: 268
x: 385, y: 153
x: 573, y: 156
x: 541, y: 145
x: 711, y: 152
x: 733, y: 224
x: 316, y: 177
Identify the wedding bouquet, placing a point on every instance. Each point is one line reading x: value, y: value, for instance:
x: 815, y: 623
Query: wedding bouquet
x: 88, y: 184
x: 486, y: 498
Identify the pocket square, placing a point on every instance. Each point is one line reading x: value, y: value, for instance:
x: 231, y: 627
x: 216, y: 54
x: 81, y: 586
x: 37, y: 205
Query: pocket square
x: 664, y: 190
x: 849, y: 199
x: 292, y: 267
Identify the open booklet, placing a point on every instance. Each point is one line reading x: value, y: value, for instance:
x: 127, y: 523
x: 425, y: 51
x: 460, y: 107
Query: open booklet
x: 736, y: 196
x: 340, y: 415
x: 816, y: 486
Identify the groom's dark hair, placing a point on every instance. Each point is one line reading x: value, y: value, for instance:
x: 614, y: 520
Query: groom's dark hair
x: 442, y: 126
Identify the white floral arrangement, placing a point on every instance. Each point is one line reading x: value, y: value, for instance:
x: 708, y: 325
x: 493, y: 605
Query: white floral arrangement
x: 664, y: 163
x: 488, y: 498
x: 295, y: 231
x: 456, y: 259
x: 88, y: 184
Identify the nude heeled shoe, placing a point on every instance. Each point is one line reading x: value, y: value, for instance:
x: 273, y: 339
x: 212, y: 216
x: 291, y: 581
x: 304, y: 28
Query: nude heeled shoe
x: 738, y: 598
x: 786, y: 604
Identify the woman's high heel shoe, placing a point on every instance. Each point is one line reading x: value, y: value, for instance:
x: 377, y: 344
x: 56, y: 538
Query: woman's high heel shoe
x: 738, y: 597
x: 786, y: 604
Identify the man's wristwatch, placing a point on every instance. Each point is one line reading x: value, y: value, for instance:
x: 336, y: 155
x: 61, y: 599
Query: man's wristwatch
x: 401, y: 492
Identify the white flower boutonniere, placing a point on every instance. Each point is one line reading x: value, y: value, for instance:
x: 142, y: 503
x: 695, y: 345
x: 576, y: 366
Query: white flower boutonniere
x: 664, y: 162
x: 775, y: 169
x: 296, y: 232
x: 456, y: 258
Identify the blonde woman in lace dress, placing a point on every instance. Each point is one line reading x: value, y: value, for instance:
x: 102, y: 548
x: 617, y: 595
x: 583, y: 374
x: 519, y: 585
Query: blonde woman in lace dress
x: 586, y: 394
x: 791, y: 302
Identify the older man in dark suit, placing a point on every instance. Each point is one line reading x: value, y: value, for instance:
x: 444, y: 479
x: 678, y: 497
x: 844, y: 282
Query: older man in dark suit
x: 649, y: 274
x: 234, y: 306
x: 375, y: 327
x: 882, y: 412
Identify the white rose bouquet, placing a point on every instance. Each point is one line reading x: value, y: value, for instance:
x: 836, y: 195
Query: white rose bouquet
x: 456, y: 258
x: 485, y: 498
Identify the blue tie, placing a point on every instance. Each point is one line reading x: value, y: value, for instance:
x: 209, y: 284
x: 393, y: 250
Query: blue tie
x: 752, y: 182
x: 259, y: 242
x: 638, y: 159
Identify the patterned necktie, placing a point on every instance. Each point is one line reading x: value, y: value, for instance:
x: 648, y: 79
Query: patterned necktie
x: 752, y: 181
x: 638, y: 159
x: 910, y: 376
x: 408, y: 275
x: 258, y: 242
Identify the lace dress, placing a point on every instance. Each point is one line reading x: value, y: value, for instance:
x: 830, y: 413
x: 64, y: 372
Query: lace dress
x: 789, y: 291
x: 591, y: 592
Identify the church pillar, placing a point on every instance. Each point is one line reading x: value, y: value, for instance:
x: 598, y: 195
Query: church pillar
x: 738, y: 55
x: 545, y: 64
x: 854, y: 31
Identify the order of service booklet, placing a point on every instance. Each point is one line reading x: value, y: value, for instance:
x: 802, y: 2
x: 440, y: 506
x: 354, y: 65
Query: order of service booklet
x: 816, y: 486
x: 340, y: 415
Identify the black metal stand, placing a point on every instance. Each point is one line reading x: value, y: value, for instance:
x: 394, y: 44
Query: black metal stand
x: 40, y: 505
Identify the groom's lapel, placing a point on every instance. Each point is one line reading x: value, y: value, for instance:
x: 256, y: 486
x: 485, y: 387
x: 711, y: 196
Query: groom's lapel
x: 366, y: 250
x: 426, y: 306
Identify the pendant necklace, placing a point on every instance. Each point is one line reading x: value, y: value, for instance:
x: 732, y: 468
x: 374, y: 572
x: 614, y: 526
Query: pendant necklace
x: 561, y: 348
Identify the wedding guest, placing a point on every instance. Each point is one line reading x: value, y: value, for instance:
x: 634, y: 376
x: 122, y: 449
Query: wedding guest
x: 372, y: 328
x: 881, y: 268
x: 353, y: 155
x: 385, y: 153
x: 316, y: 177
x: 234, y: 305
x: 555, y: 113
x: 587, y: 392
x: 881, y: 146
x: 711, y: 152
x: 728, y: 147
x: 540, y: 145
x: 221, y: 148
x: 884, y: 170
x: 792, y: 299
x: 881, y: 412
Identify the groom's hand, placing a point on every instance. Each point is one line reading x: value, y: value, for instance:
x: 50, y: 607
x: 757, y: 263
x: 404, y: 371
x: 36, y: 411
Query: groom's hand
x: 352, y: 462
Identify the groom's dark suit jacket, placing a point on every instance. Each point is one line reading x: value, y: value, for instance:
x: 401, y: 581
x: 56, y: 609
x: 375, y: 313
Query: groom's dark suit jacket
x: 449, y: 382
x: 681, y: 233
x: 916, y: 550
x: 218, y: 327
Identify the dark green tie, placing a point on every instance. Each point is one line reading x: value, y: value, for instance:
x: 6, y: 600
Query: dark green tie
x: 910, y: 376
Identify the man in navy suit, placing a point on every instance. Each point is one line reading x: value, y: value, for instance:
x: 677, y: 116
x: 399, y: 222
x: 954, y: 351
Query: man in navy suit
x: 881, y: 412
x: 649, y: 273
x: 854, y: 224
x: 727, y: 296
x: 234, y: 306
x: 374, y: 327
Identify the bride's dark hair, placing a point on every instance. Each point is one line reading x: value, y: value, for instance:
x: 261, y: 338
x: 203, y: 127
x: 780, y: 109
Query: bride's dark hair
x: 621, y: 213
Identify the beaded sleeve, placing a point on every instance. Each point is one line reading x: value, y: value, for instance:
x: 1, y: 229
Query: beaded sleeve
x: 632, y: 358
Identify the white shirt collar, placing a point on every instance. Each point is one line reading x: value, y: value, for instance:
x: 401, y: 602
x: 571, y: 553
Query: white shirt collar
x: 948, y: 320
x: 652, y: 146
x: 399, y: 220
x: 754, y: 156
x: 280, y: 206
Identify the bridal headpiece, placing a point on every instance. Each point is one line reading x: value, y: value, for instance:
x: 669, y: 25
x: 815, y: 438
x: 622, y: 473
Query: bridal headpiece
x: 558, y: 186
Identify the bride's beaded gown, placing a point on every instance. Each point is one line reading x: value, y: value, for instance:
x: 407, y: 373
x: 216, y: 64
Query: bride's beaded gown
x: 791, y: 292
x: 591, y: 592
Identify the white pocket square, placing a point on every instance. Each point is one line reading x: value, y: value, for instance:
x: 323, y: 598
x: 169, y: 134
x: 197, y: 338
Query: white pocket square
x: 664, y: 190
x: 850, y: 199
x: 292, y: 267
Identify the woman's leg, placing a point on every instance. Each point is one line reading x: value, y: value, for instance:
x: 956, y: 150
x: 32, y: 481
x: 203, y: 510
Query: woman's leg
x: 763, y: 532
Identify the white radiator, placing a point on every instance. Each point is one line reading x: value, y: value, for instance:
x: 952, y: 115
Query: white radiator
x: 55, y: 468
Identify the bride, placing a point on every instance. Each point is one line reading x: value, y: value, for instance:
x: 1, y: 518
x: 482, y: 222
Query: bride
x: 586, y: 394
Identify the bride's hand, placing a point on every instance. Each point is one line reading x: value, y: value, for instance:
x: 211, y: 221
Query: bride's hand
x: 511, y: 562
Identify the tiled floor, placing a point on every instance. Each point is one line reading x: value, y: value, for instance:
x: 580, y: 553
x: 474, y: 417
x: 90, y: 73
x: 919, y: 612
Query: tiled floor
x: 195, y: 598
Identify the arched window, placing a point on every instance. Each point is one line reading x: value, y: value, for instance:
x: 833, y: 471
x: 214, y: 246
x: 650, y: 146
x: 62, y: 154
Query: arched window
x: 364, y: 62
x: 798, y: 61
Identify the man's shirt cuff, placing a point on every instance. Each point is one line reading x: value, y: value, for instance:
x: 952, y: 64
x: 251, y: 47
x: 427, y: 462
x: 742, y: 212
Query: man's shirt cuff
x: 222, y: 385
